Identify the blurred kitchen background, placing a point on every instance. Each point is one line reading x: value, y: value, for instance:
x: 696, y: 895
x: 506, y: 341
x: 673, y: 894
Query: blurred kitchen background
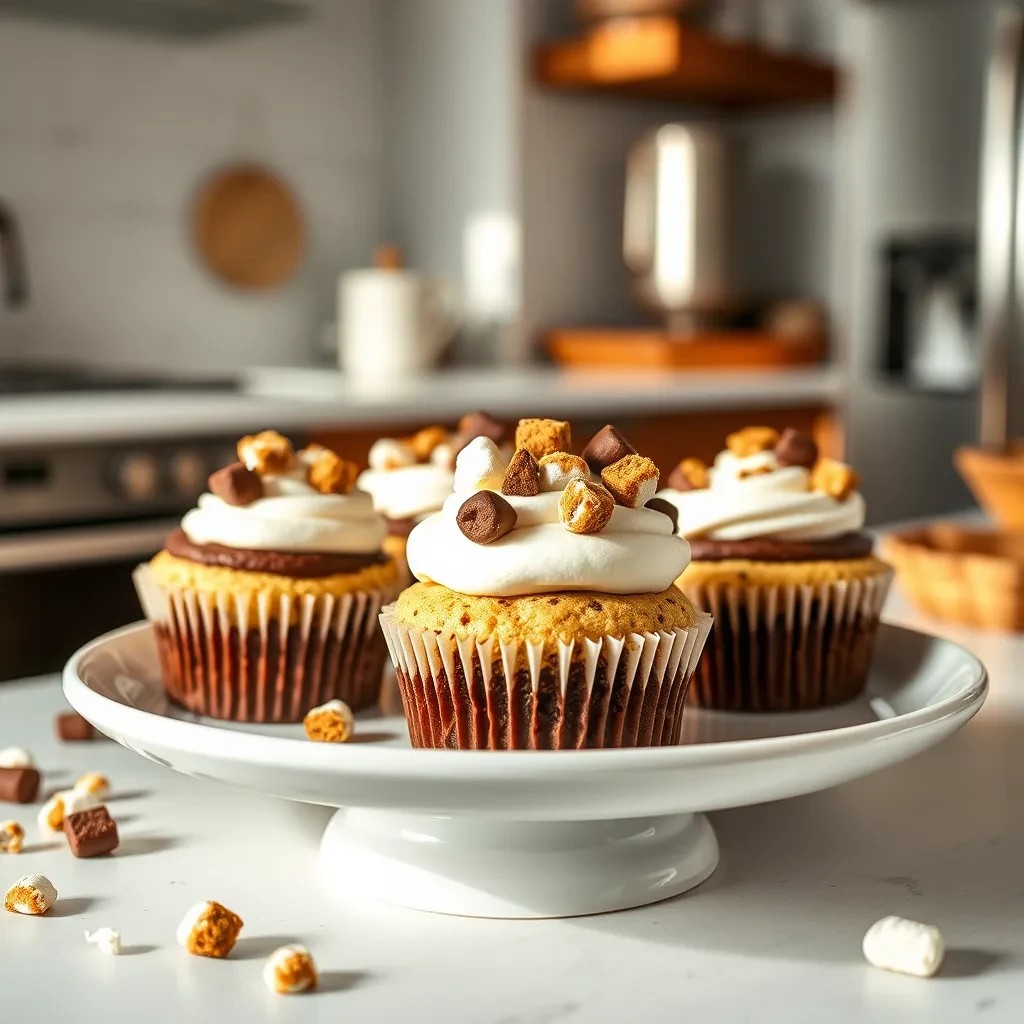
x: 349, y: 218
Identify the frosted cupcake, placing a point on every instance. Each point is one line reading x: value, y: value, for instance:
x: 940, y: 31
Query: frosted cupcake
x: 410, y: 478
x: 265, y: 601
x: 781, y: 560
x: 545, y: 615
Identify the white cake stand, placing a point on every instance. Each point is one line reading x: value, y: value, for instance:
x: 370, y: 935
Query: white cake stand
x: 534, y: 833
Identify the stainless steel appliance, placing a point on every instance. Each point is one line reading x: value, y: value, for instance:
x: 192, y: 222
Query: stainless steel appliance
x: 676, y: 226
x: 75, y: 517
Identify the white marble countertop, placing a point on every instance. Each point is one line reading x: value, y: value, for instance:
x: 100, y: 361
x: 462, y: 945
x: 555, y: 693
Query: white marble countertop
x: 309, y: 398
x: 774, y: 935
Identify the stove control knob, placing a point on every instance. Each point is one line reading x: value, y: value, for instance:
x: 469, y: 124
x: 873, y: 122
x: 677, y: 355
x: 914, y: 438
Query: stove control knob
x: 136, y: 476
x: 188, y: 472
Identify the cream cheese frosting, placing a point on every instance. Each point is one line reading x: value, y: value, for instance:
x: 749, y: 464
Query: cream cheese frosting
x: 408, y: 492
x: 292, y: 515
x: 636, y: 553
x: 754, y: 497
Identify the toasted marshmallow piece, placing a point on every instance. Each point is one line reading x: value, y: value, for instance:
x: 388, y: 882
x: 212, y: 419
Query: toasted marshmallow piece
x: 290, y: 969
x: 30, y: 894
x: 480, y: 466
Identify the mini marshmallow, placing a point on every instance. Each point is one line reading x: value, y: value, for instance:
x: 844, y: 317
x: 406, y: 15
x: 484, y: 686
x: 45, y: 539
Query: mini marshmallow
x: 479, y: 467
x: 332, y: 722
x: 443, y: 455
x: 93, y: 783
x: 558, y: 468
x: 12, y: 836
x: 906, y: 947
x: 16, y: 757
x: 30, y: 894
x: 209, y: 929
x: 67, y: 801
x: 106, y: 940
x: 290, y: 969
x: 389, y: 453
x: 267, y: 452
x: 585, y: 507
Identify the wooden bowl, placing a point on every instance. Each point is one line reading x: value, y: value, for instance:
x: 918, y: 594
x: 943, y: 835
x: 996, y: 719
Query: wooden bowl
x: 996, y: 479
x: 971, y: 577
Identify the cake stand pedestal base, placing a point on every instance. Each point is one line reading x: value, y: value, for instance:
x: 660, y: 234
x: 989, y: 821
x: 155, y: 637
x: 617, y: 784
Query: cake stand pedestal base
x: 479, y: 867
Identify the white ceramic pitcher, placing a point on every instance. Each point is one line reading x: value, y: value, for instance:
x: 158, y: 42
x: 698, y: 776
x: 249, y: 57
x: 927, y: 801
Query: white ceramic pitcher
x: 392, y: 321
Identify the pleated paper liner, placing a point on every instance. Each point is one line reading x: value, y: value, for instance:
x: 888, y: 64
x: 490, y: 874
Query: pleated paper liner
x: 787, y: 647
x: 267, y: 657
x: 479, y: 694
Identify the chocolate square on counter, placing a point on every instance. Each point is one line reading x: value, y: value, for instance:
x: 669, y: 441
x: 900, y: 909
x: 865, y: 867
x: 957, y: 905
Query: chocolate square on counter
x: 91, y: 832
x: 73, y: 728
x: 19, y: 785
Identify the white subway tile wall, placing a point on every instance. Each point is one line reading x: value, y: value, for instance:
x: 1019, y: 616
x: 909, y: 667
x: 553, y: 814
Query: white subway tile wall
x: 103, y: 138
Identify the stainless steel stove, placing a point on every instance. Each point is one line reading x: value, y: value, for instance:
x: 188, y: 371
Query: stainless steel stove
x: 76, y: 517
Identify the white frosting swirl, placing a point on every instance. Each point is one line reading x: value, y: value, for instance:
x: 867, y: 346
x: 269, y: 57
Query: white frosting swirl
x: 755, y: 497
x: 409, y: 491
x: 291, y: 516
x: 636, y: 553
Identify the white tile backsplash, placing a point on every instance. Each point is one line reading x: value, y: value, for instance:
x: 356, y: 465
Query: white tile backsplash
x: 105, y: 136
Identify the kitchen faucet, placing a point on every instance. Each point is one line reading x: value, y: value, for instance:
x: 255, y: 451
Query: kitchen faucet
x: 12, y: 256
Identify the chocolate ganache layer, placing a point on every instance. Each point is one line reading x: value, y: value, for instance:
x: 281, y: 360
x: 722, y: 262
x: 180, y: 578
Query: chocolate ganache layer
x: 300, y: 565
x: 846, y: 546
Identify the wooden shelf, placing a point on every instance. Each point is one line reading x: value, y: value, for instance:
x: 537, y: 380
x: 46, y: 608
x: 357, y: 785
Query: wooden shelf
x: 650, y: 348
x: 662, y: 58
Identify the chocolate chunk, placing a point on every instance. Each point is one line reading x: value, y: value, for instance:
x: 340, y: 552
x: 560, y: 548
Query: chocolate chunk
x: 479, y: 424
x: 522, y: 478
x: 606, y: 447
x: 91, y: 833
x: 665, y: 508
x: 796, y: 449
x: 689, y: 475
x: 72, y: 728
x: 486, y: 517
x: 236, y: 484
x: 19, y: 785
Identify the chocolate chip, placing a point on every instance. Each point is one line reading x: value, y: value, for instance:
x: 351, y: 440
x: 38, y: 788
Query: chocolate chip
x: 606, y: 447
x: 236, y: 484
x: 91, y: 833
x: 479, y: 424
x: 72, y: 728
x: 19, y: 785
x: 665, y: 508
x: 522, y: 478
x: 486, y: 517
x: 796, y: 449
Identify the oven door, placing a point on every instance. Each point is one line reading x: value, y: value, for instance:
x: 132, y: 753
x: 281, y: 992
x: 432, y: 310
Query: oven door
x: 60, y: 588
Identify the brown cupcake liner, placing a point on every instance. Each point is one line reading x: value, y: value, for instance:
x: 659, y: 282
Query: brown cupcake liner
x: 787, y: 647
x: 479, y: 694
x: 266, y: 658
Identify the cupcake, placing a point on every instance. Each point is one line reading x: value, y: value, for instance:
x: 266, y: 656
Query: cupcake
x: 265, y: 601
x: 410, y: 478
x: 545, y: 615
x: 780, y: 558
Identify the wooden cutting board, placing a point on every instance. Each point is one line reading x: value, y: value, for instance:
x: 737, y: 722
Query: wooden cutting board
x: 248, y: 227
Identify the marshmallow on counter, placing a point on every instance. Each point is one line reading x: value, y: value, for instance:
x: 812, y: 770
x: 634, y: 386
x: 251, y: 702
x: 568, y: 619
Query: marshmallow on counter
x: 480, y: 466
x: 30, y: 894
x: 290, y: 969
x: 906, y: 947
x: 93, y: 783
x: 106, y: 940
x: 209, y: 929
x: 68, y: 801
x: 16, y: 757
x: 12, y: 837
